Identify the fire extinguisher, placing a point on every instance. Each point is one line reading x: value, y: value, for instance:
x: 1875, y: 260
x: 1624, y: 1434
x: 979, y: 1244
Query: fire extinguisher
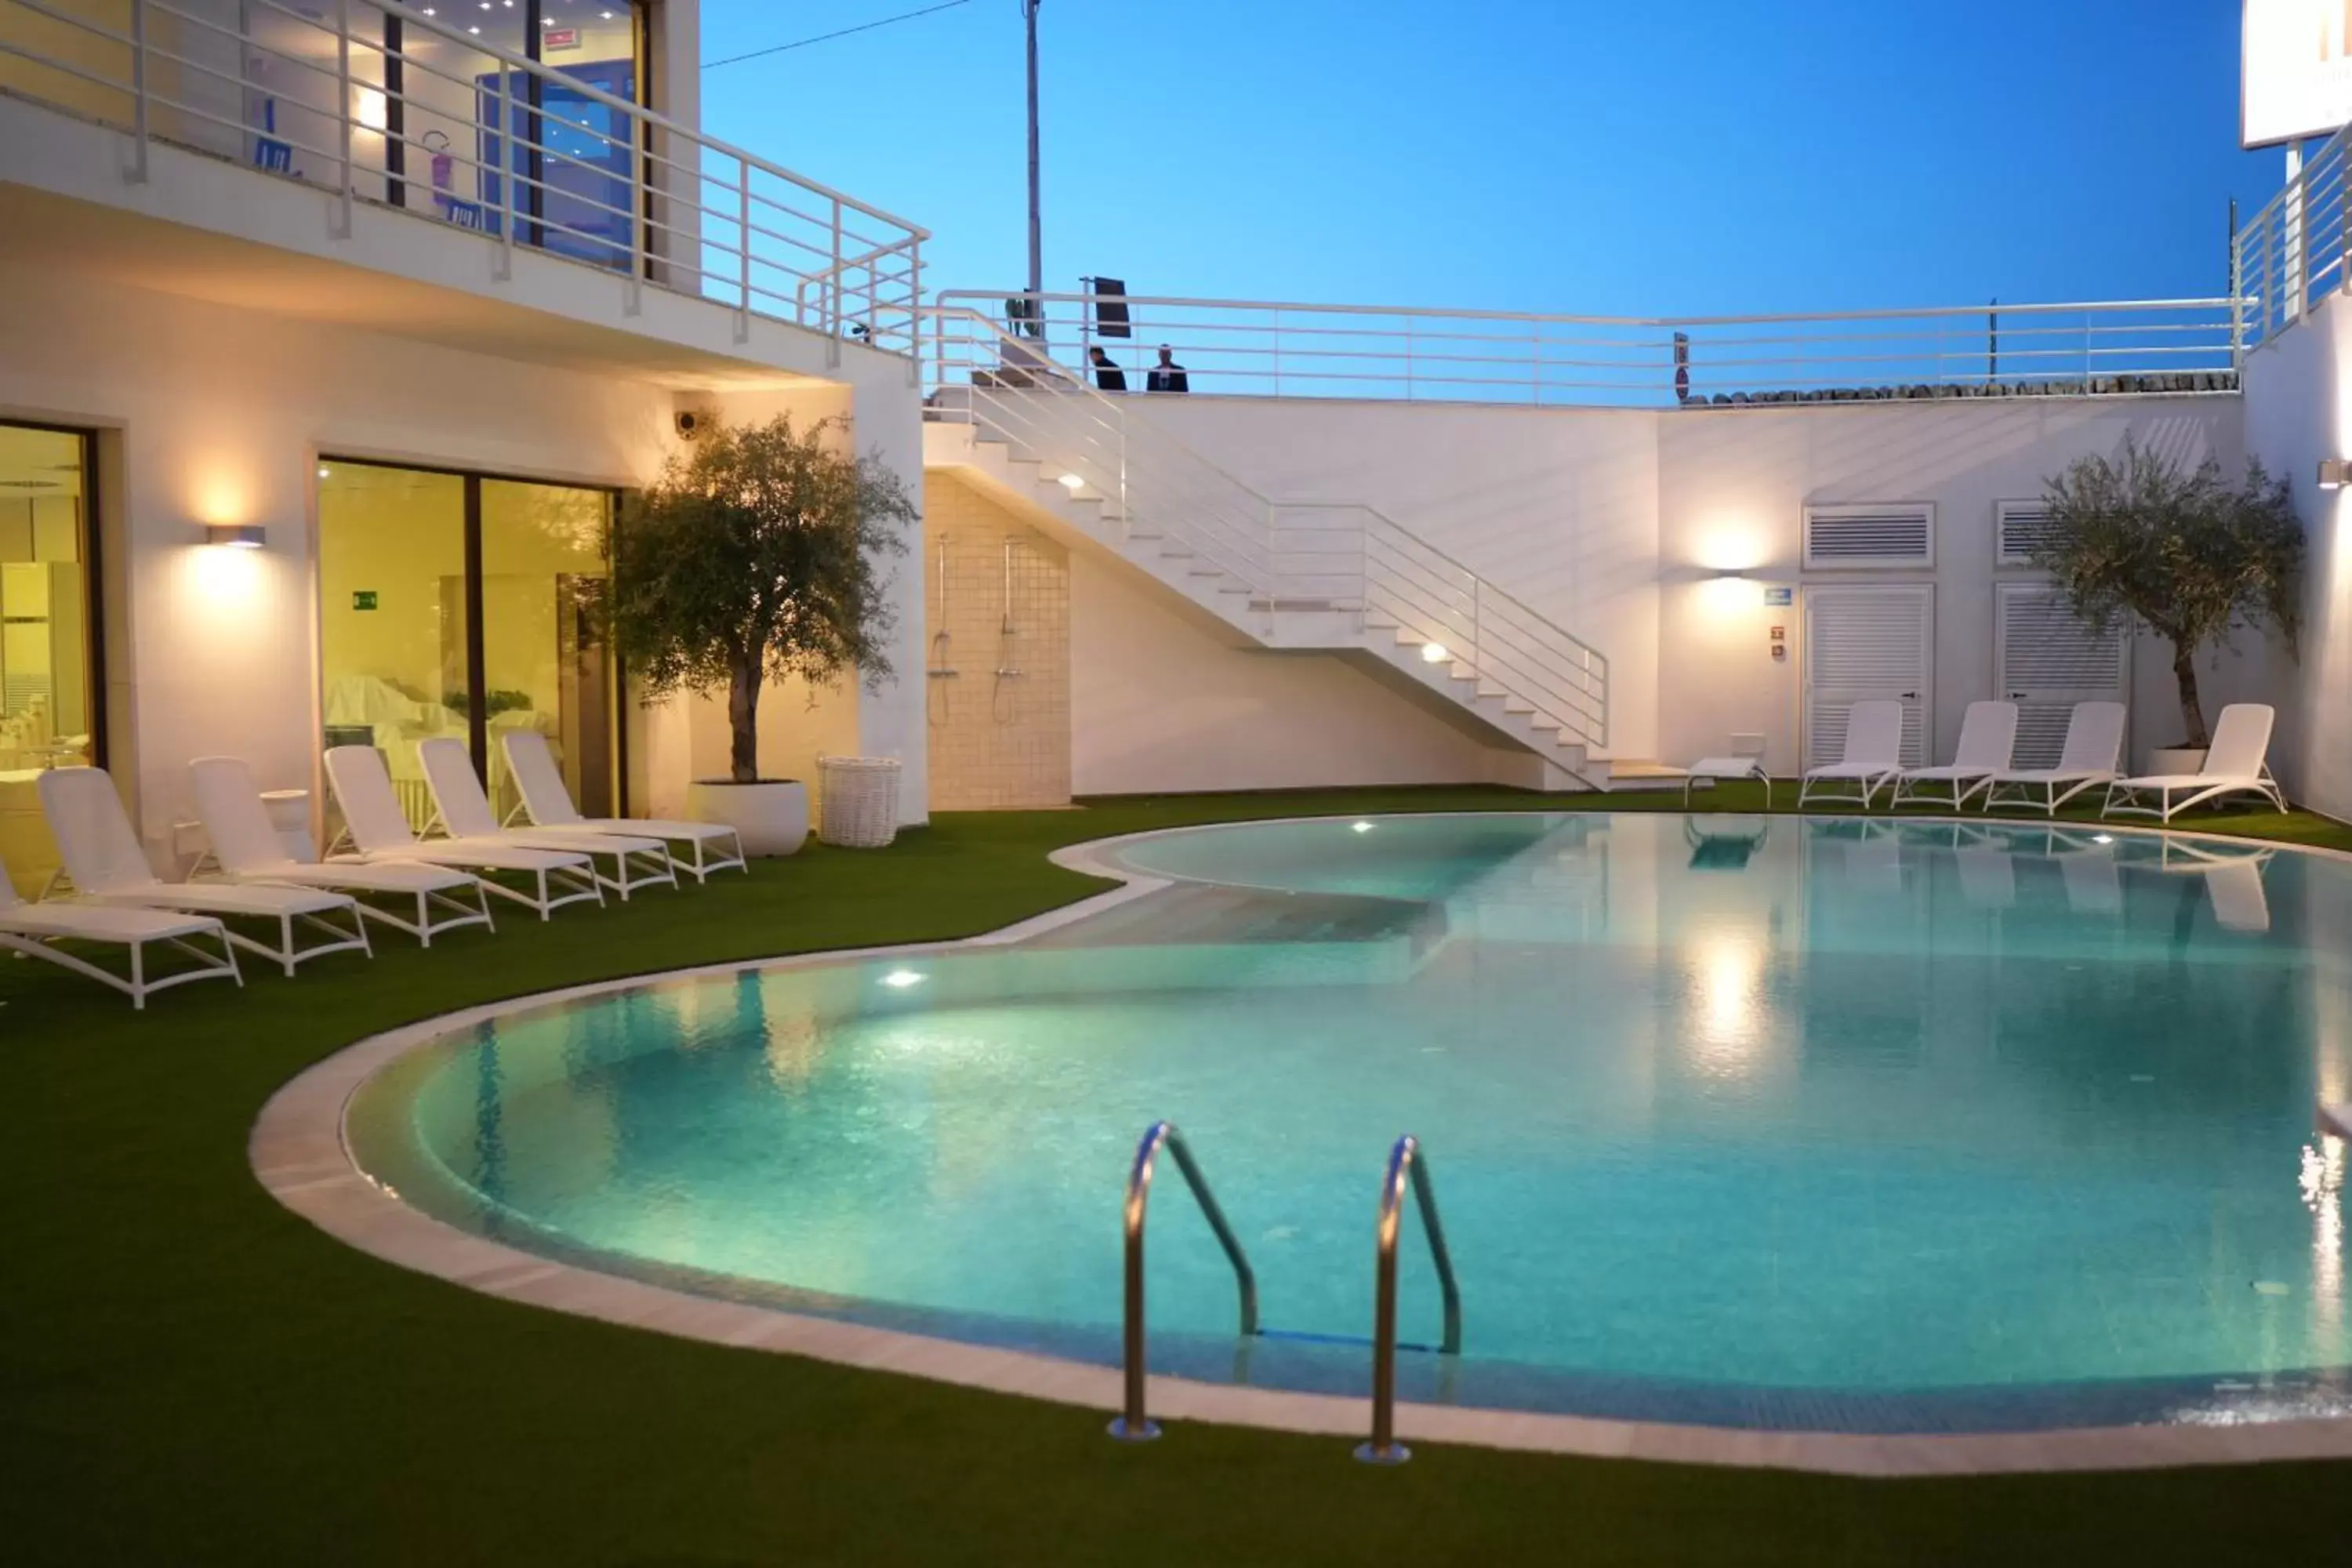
x: 445, y: 167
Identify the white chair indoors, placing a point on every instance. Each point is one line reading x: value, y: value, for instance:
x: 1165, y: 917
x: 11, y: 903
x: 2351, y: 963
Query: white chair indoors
x: 1987, y: 737
x: 2235, y: 763
x: 32, y: 929
x: 545, y: 801
x: 380, y: 832
x: 2092, y: 752
x: 1873, y: 756
x: 103, y: 860
x: 462, y: 809
x: 248, y: 848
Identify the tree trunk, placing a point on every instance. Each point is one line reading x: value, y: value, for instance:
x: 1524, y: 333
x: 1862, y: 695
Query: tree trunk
x: 744, y: 720
x: 2193, y: 716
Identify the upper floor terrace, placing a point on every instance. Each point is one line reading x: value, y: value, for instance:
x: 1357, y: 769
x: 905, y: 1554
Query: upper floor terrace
x: 501, y: 181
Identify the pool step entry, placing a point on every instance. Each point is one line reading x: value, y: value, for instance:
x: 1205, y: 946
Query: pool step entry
x: 1408, y: 1166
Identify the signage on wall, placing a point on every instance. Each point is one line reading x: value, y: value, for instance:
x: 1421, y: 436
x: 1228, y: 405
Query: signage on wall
x: 1779, y: 596
x: 2295, y: 69
x: 363, y: 599
x: 559, y: 39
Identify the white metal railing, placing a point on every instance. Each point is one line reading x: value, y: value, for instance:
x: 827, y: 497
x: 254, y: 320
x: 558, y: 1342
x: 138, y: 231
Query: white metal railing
x: 1291, y: 350
x: 1279, y: 564
x: 377, y: 102
x: 2294, y: 249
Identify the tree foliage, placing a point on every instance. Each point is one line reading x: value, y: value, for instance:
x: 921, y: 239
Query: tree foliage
x: 754, y: 558
x: 2145, y: 542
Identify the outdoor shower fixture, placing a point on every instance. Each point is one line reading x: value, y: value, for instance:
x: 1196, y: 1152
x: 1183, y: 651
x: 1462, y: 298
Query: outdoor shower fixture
x: 942, y: 705
x: 1004, y: 705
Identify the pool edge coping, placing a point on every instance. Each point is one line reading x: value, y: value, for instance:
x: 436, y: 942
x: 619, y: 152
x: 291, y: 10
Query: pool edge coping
x: 299, y: 1154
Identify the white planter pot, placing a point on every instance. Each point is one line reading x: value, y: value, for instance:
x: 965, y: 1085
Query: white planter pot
x: 2176, y: 760
x: 772, y: 817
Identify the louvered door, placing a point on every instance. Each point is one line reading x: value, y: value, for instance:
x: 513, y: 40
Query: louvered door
x: 2045, y: 661
x: 1862, y: 643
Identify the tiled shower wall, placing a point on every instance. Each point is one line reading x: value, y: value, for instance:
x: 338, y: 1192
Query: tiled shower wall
x: 999, y: 741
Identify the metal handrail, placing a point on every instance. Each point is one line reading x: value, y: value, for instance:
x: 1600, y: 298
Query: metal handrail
x: 1055, y: 414
x: 735, y: 225
x: 1406, y: 1163
x: 1294, y: 348
x: 2298, y: 246
x: 1132, y: 1424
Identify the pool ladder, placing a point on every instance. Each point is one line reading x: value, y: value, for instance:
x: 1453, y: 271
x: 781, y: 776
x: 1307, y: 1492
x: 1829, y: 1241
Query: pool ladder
x: 1407, y: 1165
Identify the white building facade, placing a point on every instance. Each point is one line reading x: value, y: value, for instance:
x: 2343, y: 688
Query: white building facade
x: 332, y: 340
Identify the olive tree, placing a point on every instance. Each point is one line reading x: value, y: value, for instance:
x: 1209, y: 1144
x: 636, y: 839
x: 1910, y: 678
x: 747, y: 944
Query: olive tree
x: 754, y: 558
x: 2147, y: 542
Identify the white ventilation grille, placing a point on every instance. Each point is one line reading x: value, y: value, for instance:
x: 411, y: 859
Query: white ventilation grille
x: 2021, y: 527
x: 1881, y: 534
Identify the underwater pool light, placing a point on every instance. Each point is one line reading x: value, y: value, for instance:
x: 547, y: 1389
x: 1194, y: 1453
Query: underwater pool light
x: 899, y: 979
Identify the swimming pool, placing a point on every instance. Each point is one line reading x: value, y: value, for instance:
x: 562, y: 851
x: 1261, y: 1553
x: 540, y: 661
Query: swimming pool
x: 1800, y: 1125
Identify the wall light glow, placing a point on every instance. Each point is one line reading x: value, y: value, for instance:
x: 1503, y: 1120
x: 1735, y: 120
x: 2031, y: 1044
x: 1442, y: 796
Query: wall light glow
x: 1434, y: 653
x: 373, y: 111
x: 1071, y: 483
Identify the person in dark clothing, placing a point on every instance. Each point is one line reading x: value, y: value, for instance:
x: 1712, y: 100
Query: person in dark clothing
x: 1108, y: 376
x: 1167, y: 376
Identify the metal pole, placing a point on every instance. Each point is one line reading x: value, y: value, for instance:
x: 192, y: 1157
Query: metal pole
x: 1036, y: 244
x: 137, y: 174
x: 1993, y: 341
x: 344, y: 118
x: 1406, y: 1164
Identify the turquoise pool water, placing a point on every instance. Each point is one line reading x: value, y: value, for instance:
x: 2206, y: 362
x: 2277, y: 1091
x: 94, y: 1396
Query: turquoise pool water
x: 1793, y: 1125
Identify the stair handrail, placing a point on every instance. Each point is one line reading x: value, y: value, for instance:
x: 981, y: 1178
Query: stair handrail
x: 1580, y: 708
x: 1251, y: 537
x: 1133, y: 1425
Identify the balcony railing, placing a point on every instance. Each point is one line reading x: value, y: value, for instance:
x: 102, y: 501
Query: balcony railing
x: 2293, y: 251
x: 1287, y: 349
x: 423, y: 118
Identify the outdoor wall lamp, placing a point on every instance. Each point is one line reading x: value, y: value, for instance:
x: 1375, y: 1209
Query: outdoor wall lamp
x: 2333, y: 472
x: 236, y: 535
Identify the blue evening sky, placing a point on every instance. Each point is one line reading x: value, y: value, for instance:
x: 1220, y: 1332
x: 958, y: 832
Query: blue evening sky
x: 1641, y: 157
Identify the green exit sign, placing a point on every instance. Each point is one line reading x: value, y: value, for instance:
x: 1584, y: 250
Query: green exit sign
x: 363, y: 600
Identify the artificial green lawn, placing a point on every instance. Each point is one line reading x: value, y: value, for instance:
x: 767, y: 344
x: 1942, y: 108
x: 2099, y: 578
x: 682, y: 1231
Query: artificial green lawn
x: 189, y: 1373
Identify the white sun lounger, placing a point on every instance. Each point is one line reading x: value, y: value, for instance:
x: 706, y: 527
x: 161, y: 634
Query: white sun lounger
x: 1987, y: 736
x: 2234, y: 764
x: 548, y: 804
x: 378, y: 831
x: 247, y: 849
x: 462, y: 810
x: 1874, y: 755
x: 103, y: 859
x: 30, y: 929
x: 2092, y: 752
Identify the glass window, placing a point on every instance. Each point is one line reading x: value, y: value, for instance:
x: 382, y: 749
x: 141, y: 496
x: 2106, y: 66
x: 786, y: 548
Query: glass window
x: 49, y: 697
x: 398, y: 662
x: 393, y: 615
x: 543, y: 666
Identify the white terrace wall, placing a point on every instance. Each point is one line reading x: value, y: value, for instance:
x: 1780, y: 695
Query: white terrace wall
x: 2297, y: 413
x: 210, y: 414
x: 1618, y: 522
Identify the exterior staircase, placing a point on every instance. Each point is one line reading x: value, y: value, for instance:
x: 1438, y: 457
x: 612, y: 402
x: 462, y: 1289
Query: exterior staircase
x: 1338, y: 577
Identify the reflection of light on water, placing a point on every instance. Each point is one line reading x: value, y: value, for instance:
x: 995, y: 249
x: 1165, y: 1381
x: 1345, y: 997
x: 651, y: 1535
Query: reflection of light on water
x: 2323, y: 1195
x: 1727, y: 987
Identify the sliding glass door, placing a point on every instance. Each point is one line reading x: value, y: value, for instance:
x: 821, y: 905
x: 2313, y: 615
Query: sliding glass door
x: 51, y: 685
x: 457, y: 605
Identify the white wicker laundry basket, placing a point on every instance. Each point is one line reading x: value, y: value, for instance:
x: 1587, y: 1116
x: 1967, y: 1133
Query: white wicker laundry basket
x: 857, y: 805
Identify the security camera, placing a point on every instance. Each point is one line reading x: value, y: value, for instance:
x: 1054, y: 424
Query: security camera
x: 689, y: 424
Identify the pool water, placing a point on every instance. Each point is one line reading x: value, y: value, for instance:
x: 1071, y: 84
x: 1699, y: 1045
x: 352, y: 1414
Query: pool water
x: 1771, y: 1123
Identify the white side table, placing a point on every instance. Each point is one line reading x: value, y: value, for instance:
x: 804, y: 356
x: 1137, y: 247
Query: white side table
x: 1713, y: 769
